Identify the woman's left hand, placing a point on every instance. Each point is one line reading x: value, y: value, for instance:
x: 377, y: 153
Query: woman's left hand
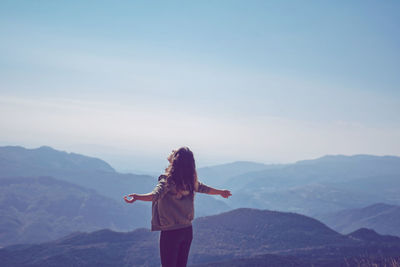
x: 225, y: 193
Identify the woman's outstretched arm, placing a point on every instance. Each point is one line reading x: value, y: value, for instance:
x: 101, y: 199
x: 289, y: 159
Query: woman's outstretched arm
x: 205, y: 189
x: 143, y: 197
x: 223, y: 193
x: 159, y: 191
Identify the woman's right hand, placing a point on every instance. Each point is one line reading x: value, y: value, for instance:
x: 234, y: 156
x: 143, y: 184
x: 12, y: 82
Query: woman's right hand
x: 131, y: 200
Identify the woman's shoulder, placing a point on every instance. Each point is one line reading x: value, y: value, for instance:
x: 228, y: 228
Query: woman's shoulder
x: 162, y: 177
x: 164, y: 180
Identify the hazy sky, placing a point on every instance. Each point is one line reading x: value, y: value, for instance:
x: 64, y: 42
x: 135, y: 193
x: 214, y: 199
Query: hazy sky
x: 267, y: 81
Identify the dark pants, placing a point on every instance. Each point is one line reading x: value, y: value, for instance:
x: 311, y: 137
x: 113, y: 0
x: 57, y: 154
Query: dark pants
x: 175, y: 246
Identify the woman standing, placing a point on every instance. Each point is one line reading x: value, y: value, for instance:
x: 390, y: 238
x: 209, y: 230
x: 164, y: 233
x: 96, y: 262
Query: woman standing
x: 173, y: 206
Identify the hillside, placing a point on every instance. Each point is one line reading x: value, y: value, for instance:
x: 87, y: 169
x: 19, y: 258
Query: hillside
x: 12, y: 158
x: 244, y: 233
x: 78, y: 169
x: 313, y: 187
x: 37, y: 209
x: 383, y: 218
x: 251, y: 232
x: 370, y: 236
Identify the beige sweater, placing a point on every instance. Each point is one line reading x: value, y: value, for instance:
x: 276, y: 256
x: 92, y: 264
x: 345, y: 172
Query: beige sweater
x: 171, y: 209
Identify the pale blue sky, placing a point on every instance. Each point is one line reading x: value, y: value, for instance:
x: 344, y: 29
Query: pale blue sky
x: 271, y: 81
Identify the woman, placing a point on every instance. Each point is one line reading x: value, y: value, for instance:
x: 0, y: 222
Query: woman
x: 173, y: 206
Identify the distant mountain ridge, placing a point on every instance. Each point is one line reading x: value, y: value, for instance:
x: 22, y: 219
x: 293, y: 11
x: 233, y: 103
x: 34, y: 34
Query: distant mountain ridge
x: 313, y: 187
x: 345, y: 158
x: 91, y: 173
x: 383, y: 218
x: 220, y: 174
x: 369, y: 235
x: 45, y: 157
x: 243, y: 233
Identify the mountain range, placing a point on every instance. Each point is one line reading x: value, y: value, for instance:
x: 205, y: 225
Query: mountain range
x: 46, y: 194
x: 315, y: 187
x: 318, y: 188
x: 88, y: 172
x: 236, y: 237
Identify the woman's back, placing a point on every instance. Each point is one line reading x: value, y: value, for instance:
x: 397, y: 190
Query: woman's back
x: 173, y: 208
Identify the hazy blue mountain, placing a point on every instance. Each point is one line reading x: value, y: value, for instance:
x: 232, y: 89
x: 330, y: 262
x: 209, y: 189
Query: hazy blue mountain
x: 36, y: 209
x: 16, y: 160
x: 328, y: 169
x: 85, y: 171
x: 314, y: 187
x: 246, y: 234
x: 383, y: 218
x: 88, y: 172
x: 310, y: 199
x: 220, y: 174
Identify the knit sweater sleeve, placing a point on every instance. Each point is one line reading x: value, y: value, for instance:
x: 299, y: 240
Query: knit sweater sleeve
x: 202, y: 188
x: 161, y: 189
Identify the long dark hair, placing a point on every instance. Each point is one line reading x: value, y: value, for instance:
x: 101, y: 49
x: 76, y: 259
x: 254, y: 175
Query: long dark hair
x: 182, y: 169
